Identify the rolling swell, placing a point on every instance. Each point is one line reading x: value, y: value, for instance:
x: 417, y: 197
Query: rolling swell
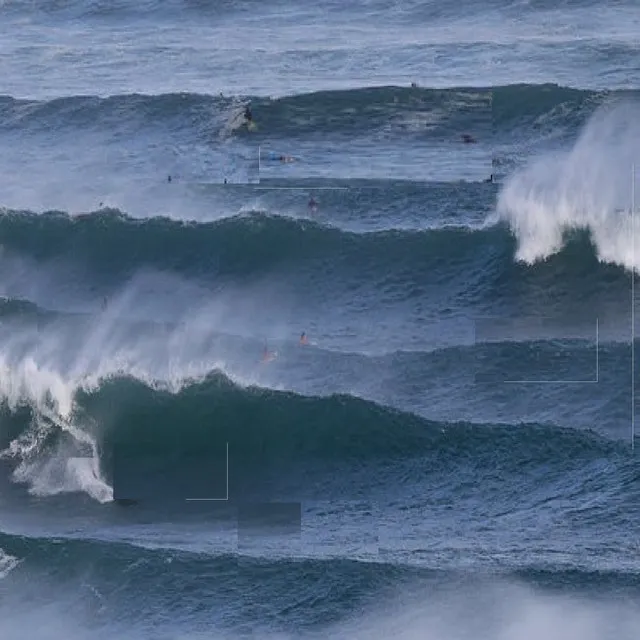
x: 129, y: 417
x: 110, y: 246
x: 127, y: 113
x: 71, y: 559
x: 115, y: 572
x: 388, y: 111
x: 117, y: 569
x: 293, y: 426
x: 113, y: 244
x: 224, y: 595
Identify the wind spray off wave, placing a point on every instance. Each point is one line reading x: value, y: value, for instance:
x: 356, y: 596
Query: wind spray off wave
x: 588, y: 187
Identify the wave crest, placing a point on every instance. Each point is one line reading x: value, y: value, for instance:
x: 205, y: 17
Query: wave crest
x: 589, y: 187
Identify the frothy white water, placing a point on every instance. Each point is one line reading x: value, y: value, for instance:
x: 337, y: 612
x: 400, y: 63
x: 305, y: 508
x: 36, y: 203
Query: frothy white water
x: 588, y: 187
x: 7, y: 564
x: 50, y: 471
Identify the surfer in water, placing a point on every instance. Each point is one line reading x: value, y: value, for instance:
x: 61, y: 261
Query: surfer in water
x: 248, y: 116
x: 275, y: 156
x: 267, y: 355
x: 467, y: 139
x: 313, y: 205
x: 303, y: 338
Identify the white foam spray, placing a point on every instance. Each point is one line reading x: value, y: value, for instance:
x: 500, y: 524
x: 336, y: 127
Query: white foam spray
x: 7, y: 564
x: 588, y: 187
x: 44, y: 369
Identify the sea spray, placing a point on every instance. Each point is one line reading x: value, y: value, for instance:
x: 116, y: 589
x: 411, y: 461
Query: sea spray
x: 587, y: 187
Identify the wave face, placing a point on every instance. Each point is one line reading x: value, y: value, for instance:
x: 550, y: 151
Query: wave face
x: 391, y: 110
x: 117, y: 569
x: 106, y: 250
x: 199, y: 139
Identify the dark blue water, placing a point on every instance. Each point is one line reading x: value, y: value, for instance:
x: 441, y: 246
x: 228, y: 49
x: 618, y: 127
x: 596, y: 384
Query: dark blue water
x: 386, y: 387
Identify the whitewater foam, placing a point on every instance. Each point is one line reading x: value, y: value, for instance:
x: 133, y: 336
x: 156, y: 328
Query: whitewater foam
x: 588, y: 187
x: 7, y: 564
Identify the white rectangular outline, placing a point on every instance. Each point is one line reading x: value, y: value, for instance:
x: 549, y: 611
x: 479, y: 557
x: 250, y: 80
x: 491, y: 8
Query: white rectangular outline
x: 215, y: 499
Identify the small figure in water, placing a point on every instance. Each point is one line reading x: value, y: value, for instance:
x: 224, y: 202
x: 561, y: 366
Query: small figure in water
x: 275, y: 156
x: 225, y: 181
x: 168, y: 178
x: 303, y: 338
x: 267, y: 355
x: 467, y: 139
x: 313, y: 204
x: 248, y: 116
x: 490, y: 178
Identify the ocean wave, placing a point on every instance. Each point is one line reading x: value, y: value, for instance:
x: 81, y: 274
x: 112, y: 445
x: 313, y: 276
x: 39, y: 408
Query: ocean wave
x: 109, y: 242
x: 64, y: 559
x: 388, y: 111
x: 82, y: 444
x: 108, y: 248
x: 335, y: 427
x: 106, y: 576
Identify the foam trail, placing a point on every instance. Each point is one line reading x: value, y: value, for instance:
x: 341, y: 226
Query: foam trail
x: 7, y: 564
x: 588, y: 187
